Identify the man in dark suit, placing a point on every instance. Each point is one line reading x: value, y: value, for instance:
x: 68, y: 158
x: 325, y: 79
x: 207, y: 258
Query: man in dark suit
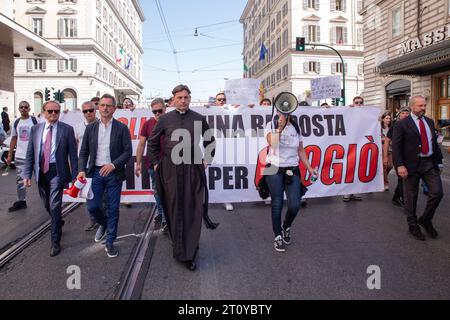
x: 105, y: 150
x: 5, y: 119
x: 50, y: 148
x: 416, y: 156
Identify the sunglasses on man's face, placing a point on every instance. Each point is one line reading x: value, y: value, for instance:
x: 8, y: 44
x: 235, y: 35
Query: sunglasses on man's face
x: 220, y: 100
x: 88, y: 110
x: 53, y: 111
x: 157, y: 111
x: 358, y: 102
x: 23, y: 107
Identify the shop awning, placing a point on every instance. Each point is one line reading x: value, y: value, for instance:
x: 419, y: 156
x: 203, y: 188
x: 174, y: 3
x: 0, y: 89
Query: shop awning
x: 425, y: 61
x: 25, y: 44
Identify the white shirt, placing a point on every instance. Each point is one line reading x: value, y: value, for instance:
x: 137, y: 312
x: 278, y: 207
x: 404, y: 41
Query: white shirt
x: 44, y: 138
x: 429, y: 134
x: 286, y: 153
x: 79, y: 129
x: 23, y: 136
x: 104, y: 140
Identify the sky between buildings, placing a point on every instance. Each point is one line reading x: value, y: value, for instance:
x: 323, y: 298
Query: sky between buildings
x: 205, y: 60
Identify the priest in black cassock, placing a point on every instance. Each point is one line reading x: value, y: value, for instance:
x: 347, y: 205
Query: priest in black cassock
x: 181, y: 179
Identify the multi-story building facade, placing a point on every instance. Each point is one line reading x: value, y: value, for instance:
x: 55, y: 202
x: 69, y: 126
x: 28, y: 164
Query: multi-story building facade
x: 16, y: 42
x: 277, y: 23
x: 407, y: 52
x: 103, y: 39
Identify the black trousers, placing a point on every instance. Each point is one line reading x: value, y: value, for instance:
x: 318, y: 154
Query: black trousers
x: 430, y: 174
x: 398, y: 192
x: 51, y: 193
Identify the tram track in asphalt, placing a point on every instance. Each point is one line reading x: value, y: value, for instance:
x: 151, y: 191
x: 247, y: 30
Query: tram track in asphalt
x: 9, y: 252
x: 131, y: 283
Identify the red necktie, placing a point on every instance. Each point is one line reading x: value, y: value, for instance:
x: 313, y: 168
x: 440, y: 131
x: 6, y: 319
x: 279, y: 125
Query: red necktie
x: 423, y: 138
x: 45, y: 163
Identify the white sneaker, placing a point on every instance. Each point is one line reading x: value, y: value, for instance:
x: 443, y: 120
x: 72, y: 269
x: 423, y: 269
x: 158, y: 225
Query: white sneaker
x: 228, y: 207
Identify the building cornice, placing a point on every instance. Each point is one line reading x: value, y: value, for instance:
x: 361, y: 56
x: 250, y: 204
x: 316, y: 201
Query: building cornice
x: 139, y: 10
x: 246, y: 11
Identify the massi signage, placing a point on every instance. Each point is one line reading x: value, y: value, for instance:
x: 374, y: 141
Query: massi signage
x: 428, y: 39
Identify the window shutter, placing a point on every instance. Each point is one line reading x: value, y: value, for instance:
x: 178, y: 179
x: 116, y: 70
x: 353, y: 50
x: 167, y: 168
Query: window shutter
x: 333, y: 5
x: 332, y: 35
x: 60, y: 65
x: 360, y: 69
x: 316, y: 4
x: 344, y: 5
x: 44, y: 65
x: 74, y: 65
x: 74, y: 1
x: 318, y: 67
x: 29, y: 65
x: 60, y: 1
x: 305, y: 4
x: 333, y: 67
x: 75, y: 28
x: 305, y: 33
x: 60, y: 28
x: 305, y: 67
x: 345, y: 68
x: 345, y: 35
x: 318, y: 34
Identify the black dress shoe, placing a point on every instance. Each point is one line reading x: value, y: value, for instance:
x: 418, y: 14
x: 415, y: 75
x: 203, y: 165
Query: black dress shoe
x: 18, y: 205
x: 191, y: 265
x: 56, y: 249
x: 397, y: 202
x: 428, y: 226
x: 416, y: 233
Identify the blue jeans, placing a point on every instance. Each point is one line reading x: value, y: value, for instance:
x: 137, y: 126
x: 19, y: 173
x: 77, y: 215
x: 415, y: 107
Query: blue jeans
x: 113, y: 186
x: 277, y: 189
x: 159, y: 207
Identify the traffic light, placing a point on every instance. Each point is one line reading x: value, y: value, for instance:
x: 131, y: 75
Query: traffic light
x: 300, y: 44
x: 58, y: 96
x: 333, y: 101
x: 47, y: 94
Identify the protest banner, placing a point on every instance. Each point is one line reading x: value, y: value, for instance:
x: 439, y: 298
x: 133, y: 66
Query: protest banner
x: 326, y: 87
x: 344, y: 143
x: 242, y: 92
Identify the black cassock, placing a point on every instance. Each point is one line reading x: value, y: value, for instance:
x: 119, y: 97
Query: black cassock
x: 181, y: 179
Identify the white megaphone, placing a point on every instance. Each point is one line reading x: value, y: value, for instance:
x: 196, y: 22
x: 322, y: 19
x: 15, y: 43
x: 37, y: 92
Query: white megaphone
x: 74, y: 190
x: 286, y: 103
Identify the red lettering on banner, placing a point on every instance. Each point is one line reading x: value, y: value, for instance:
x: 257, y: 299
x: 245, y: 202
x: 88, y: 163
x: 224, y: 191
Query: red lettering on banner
x: 368, y: 150
x: 123, y: 120
x: 133, y: 128
x: 333, y: 152
x: 351, y: 164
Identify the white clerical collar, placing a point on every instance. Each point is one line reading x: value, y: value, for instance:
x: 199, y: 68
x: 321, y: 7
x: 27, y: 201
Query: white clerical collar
x: 182, y: 112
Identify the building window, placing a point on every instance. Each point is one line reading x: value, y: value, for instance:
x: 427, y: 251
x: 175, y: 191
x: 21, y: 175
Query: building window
x: 338, y: 5
x: 396, y: 22
x: 36, y: 65
x: 285, y: 39
x: 311, y: 33
x: 98, y: 70
x: 278, y: 45
x: 278, y: 74
x: 338, y: 68
x: 98, y: 35
x: 285, y: 70
x: 273, y: 78
x: 37, y: 26
x: 67, y: 65
x: 285, y: 9
x: 359, y: 36
x: 272, y: 27
x: 311, y: 66
x: 338, y: 35
x: 68, y: 1
x: 70, y: 99
x: 272, y: 51
x: 361, y: 69
x: 67, y: 28
x: 311, y: 4
x: 38, y: 102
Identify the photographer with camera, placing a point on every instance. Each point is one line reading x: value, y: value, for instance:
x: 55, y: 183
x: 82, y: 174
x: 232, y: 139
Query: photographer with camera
x: 283, y: 175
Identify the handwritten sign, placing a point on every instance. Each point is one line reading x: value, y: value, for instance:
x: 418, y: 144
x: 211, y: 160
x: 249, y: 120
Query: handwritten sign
x: 325, y: 88
x: 242, y: 91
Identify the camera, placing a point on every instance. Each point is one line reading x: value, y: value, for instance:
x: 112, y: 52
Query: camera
x: 443, y: 123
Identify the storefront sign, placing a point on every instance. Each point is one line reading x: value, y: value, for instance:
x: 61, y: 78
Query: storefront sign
x: 426, y: 40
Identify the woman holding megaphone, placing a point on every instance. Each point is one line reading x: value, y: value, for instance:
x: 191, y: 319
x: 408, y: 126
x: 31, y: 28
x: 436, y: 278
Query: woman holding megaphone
x: 282, y: 173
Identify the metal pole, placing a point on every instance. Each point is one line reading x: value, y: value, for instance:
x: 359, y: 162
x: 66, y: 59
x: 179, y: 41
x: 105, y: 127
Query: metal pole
x: 343, y: 65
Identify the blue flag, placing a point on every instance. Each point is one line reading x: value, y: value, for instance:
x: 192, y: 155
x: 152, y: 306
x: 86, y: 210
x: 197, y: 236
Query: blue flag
x: 128, y: 64
x: 262, y: 53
